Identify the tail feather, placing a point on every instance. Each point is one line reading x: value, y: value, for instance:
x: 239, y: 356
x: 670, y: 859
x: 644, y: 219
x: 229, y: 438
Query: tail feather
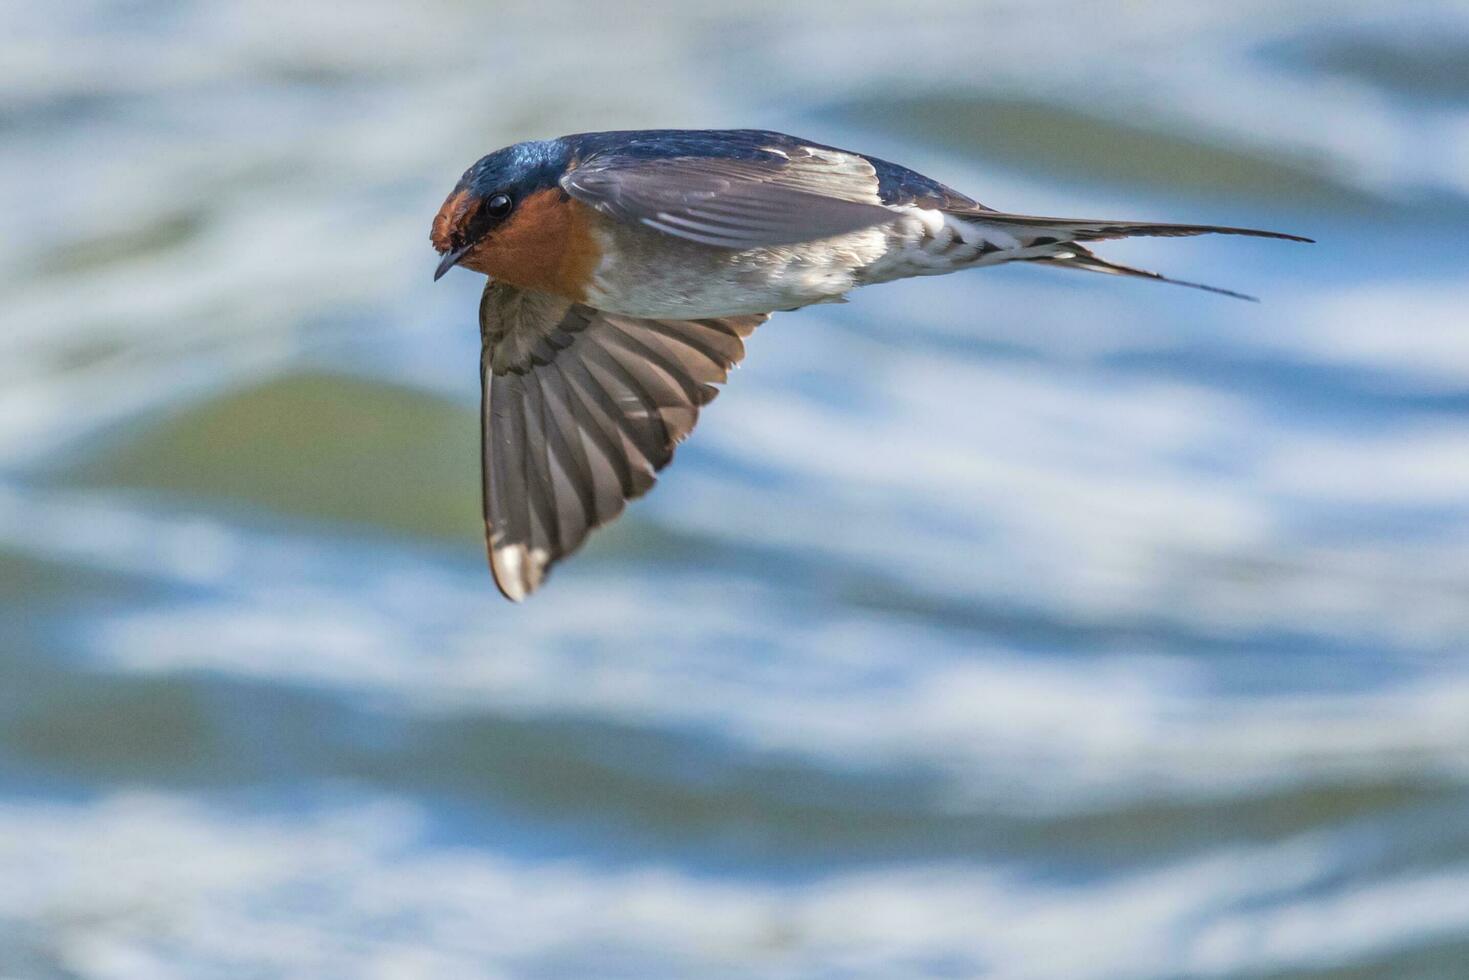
x: 1076, y: 257
x: 1089, y: 230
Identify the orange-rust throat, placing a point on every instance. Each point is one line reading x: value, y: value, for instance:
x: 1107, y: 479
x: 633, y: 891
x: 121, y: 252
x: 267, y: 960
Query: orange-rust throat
x: 546, y: 243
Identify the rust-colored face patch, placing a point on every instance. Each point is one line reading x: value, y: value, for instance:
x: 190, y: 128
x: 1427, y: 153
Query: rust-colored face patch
x: 546, y: 243
x: 451, y: 220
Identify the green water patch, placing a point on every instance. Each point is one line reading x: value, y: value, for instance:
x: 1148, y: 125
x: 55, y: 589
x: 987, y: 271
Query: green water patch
x: 161, y: 234
x: 1044, y: 138
x: 1431, y: 957
x: 29, y: 584
x: 153, y: 729
x: 1421, y: 66
x: 314, y: 445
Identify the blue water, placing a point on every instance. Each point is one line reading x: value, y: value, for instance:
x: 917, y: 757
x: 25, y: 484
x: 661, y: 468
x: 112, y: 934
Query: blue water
x: 1011, y: 624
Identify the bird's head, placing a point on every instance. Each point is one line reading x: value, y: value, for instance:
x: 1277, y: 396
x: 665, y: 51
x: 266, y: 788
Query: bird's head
x: 489, y: 196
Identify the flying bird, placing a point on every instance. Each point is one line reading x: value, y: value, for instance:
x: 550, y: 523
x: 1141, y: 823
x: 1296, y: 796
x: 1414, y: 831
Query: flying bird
x: 627, y: 268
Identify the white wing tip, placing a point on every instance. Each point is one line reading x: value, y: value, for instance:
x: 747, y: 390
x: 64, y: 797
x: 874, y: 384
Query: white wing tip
x: 518, y: 570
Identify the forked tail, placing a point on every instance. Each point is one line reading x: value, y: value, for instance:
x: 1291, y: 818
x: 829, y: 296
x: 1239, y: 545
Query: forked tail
x: 1056, y: 240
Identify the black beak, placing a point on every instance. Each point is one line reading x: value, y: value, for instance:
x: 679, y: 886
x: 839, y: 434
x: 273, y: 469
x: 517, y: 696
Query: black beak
x: 449, y: 261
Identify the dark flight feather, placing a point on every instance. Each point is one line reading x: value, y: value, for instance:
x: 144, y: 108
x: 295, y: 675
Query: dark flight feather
x: 581, y: 409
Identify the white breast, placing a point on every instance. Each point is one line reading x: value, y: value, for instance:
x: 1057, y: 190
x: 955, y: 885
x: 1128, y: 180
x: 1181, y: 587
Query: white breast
x: 648, y: 274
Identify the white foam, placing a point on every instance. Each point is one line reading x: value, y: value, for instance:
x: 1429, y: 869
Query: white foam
x: 152, y: 885
x: 1403, y: 335
x: 849, y: 688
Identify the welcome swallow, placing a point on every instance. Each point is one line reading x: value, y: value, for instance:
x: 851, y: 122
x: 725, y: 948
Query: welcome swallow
x: 626, y: 268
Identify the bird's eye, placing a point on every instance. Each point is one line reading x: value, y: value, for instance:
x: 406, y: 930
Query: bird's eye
x: 499, y: 205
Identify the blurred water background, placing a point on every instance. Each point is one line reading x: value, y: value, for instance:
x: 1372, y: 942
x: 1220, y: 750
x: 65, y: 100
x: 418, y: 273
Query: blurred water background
x: 1011, y: 624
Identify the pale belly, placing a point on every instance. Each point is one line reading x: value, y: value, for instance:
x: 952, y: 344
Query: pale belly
x: 645, y: 273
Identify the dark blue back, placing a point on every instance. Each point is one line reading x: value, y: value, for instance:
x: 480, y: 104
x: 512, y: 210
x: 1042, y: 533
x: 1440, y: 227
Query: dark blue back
x: 896, y: 185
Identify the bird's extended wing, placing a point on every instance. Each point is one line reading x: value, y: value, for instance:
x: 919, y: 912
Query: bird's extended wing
x: 580, y: 409
x: 778, y: 197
